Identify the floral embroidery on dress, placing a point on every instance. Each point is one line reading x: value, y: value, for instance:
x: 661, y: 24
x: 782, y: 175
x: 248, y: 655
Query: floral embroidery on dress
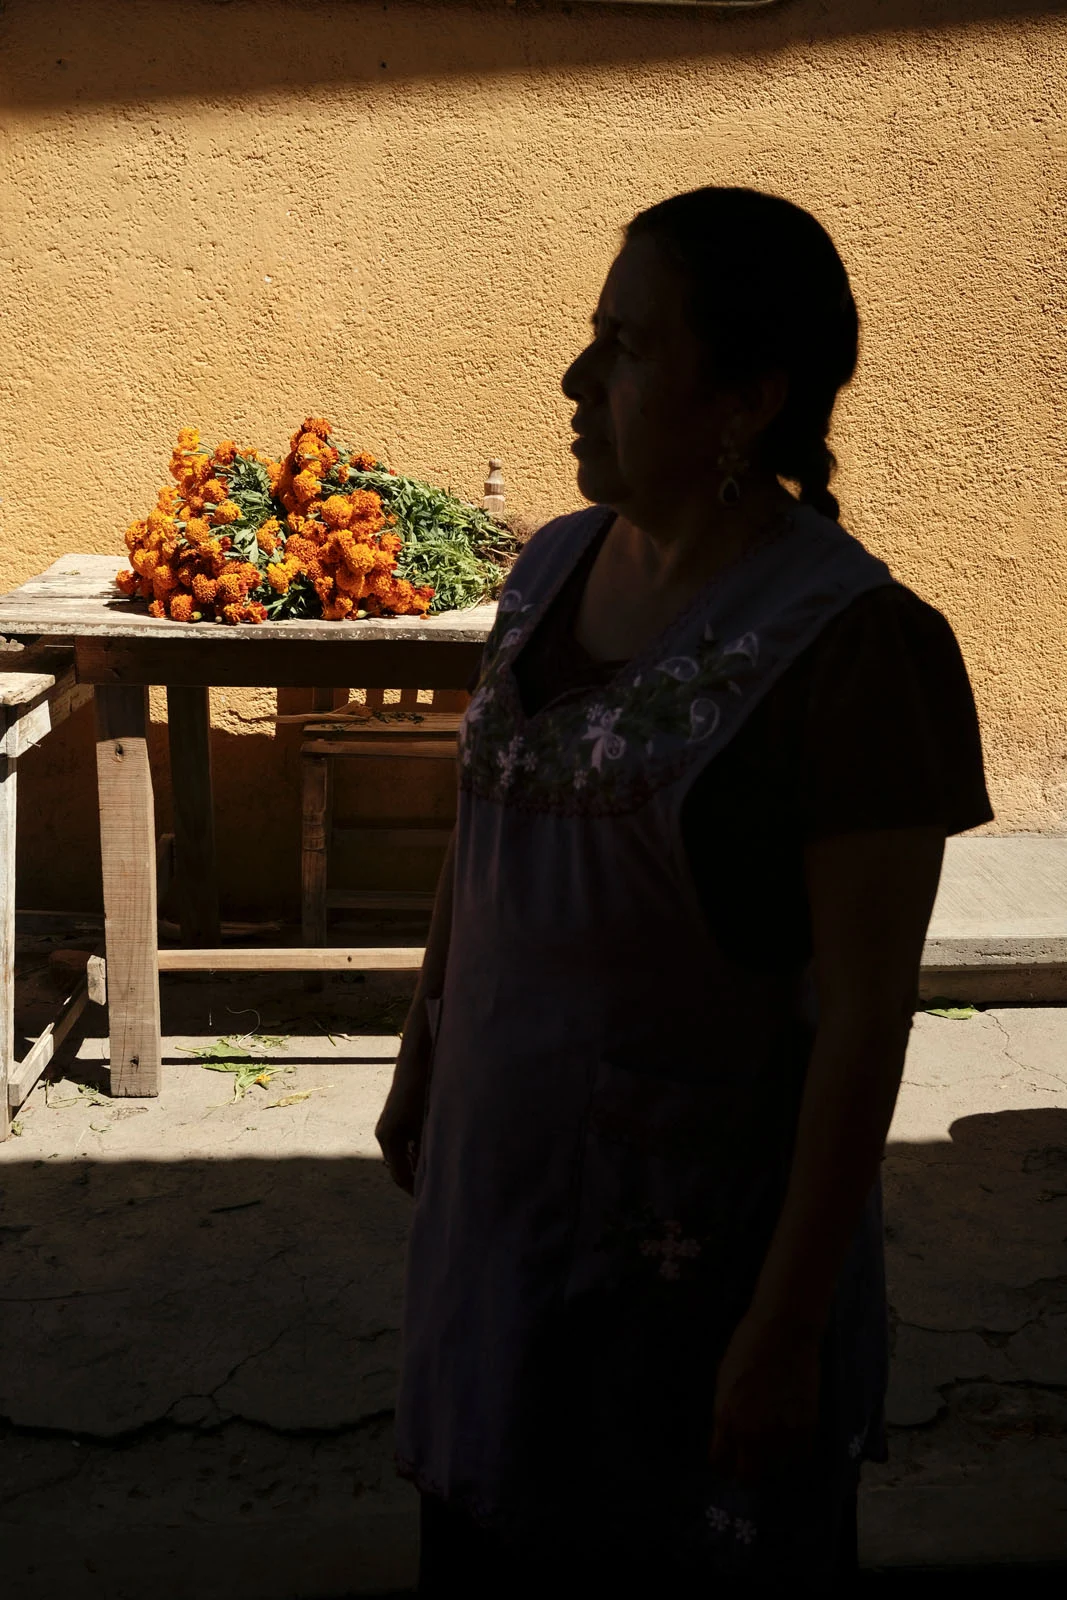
x: 671, y: 1249
x: 640, y: 1240
x: 718, y: 1518
x: 640, y: 733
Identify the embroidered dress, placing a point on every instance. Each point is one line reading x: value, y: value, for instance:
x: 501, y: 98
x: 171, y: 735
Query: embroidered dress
x: 614, y: 1102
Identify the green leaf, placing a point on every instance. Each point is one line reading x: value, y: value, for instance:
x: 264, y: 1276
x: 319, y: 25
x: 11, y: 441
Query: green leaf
x: 953, y: 1013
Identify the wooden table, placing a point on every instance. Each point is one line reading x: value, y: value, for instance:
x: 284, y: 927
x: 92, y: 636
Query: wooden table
x: 120, y: 651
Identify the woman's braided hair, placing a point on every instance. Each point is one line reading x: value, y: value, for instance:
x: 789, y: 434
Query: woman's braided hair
x: 768, y: 293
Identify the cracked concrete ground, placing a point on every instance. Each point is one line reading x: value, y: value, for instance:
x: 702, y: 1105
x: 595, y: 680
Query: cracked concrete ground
x: 201, y: 1299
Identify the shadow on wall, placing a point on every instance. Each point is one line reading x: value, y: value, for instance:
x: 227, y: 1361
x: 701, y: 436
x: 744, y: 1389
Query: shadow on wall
x: 257, y: 820
x: 55, y: 53
x: 198, y: 1358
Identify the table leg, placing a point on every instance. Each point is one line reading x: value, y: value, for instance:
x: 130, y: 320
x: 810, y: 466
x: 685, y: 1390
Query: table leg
x: 128, y: 856
x: 7, y: 928
x: 189, y: 728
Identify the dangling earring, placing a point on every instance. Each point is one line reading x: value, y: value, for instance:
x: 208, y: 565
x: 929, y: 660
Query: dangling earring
x: 732, y: 464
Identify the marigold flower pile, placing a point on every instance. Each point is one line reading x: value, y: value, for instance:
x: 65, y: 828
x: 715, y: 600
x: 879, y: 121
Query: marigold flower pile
x: 239, y: 537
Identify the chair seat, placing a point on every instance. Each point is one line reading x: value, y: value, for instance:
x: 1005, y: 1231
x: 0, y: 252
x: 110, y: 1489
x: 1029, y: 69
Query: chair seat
x: 386, y: 725
x: 378, y: 900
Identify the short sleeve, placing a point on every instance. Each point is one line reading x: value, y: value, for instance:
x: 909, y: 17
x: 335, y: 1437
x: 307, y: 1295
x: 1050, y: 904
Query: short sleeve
x: 891, y: 736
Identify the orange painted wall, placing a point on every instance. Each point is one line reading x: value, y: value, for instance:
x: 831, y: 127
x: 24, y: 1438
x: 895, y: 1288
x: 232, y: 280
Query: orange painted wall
x: 399, y: 215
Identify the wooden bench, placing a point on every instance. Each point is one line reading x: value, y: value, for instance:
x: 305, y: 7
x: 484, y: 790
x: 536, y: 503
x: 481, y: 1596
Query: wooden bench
x: 38, y: 691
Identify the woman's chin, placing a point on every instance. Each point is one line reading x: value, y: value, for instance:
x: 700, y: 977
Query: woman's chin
x: 597, y: 481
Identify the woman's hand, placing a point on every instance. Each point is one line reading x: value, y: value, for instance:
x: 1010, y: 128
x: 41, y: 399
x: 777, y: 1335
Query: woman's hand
x: 399, y: 1128
x: 766, y: 1400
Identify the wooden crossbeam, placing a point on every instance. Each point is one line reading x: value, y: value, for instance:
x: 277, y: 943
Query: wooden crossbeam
x: 377, y: 959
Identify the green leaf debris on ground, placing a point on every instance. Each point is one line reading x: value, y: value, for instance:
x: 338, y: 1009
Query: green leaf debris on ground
x: 948, y: 1009
x: 244, y: 1057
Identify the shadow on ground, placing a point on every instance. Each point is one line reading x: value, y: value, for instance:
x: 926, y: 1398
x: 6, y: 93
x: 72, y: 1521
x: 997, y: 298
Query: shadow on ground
x: 198, y: 1358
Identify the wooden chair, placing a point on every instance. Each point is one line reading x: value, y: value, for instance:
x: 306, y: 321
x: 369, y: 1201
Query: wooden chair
x: 38, y: 691
x: 414, y: 725
x: 417, y: 726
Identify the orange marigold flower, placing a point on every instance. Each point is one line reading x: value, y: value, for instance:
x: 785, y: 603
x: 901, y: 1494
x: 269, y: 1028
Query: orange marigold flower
x: 337, y: 511
x: 253, y: 611
x: 144, y: 562
x: 280, y: 574
x: 229, y: 588
x: 214, y: 490
x: 204, y: 588
x: 300, y: 549
x: 362, y: 461
x: 197, y: 530
x: 160, y: 522
x: 188, y: 438
x: 306, y: 487
x: 274, y: 472
x: 164, y: 580
x: 360, y: 558
x: 337, y: 610
x: 367, y: 510
x: 317, y: 425
x: 181, y: 608
x: 392, y: 542
x: 309, y: 447
x: 157, y: 609
x: 197, y: 470
x: 228, y: 511
x: 353, y: 583
x: 128, y: 582
x: 167, y: 499
x: 225, y: 451
x: 134, y: 534
x: 267, y: 536
x: 232, y: 613
x: 311, y: 566
x: 342, y: 471
x: 324, y: 589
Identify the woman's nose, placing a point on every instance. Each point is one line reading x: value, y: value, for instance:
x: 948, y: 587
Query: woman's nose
x: 579, y: 378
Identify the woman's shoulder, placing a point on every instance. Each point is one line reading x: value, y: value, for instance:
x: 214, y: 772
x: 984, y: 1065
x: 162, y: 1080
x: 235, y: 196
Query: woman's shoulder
x: 885, y: 623
x: 556, y: 544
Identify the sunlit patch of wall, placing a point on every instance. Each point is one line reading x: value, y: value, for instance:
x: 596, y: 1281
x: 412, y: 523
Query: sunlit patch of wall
x: 231, y: 214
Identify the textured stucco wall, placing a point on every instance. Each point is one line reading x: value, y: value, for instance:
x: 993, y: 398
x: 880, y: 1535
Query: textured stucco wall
x: 399, y: 216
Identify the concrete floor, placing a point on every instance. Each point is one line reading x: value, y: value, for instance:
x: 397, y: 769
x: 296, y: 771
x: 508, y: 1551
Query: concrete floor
x: 201, y: 1302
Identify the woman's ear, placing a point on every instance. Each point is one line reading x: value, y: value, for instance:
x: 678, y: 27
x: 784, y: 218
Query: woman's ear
x: 761, y: 399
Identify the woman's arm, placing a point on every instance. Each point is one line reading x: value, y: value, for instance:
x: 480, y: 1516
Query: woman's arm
x: 871, y: 896
x: 399, y: 1129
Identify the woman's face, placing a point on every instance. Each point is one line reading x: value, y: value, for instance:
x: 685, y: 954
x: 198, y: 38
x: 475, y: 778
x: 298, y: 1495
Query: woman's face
x: 649, y: 427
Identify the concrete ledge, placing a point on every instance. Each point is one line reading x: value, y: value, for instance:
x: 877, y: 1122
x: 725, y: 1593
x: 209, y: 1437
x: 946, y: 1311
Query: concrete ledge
x: 999, y: 927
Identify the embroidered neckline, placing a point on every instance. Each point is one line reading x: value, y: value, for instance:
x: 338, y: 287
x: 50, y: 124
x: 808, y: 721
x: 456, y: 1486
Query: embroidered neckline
x: 609, y: 747
x: 643, y: 660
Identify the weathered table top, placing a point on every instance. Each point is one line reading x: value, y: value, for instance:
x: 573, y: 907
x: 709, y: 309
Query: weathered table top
x: 76, y: 598
x: 117, y: 642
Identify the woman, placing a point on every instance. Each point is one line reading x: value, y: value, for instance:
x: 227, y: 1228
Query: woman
x: 706, y: 780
